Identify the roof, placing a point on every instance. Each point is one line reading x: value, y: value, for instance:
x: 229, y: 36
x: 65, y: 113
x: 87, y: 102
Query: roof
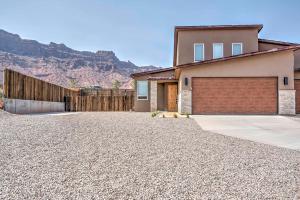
x: 277, y: 42
x: 151, y: 72
x: 217, y: 27
x: 212, y: 27
x: 162, y: 78
x: 238, y: 56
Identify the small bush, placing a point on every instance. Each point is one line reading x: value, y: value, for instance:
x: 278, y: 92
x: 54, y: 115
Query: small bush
x: 1, y: 98
x: 153, y: 114
x: 187, y: 115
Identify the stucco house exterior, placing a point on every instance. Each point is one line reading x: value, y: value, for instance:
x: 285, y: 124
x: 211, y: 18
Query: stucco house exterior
x: 224, y: 69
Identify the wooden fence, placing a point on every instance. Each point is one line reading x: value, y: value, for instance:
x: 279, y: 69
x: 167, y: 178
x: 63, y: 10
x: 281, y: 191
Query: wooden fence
x: 20, y: 86
x: 103, y: 100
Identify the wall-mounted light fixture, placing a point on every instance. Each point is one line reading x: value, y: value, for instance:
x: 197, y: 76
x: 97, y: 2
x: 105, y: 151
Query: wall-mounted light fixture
x: 186, y: 81
x: 286, y: 80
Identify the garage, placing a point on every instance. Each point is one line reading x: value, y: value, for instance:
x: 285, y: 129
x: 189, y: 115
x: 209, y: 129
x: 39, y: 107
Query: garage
x: 297, y: 88
x: 253, y: 95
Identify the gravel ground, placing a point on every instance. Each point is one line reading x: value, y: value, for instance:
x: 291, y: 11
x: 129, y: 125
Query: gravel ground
x: 134, y: 156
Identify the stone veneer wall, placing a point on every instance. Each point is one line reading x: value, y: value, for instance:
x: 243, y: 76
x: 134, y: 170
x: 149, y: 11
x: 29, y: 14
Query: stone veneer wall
x: 153, y: 96
x: 185, y: 102
x: 287, y: 102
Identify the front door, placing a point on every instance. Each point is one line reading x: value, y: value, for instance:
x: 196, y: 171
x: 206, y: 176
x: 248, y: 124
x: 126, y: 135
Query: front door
x: 172, y: 97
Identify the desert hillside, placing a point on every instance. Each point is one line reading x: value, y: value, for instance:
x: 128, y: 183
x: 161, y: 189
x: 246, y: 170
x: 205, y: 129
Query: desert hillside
x: 62, y: 65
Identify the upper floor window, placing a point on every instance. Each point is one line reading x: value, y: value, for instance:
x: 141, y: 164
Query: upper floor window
x: 198, y: 52
x: 142, y: 90
x: 237, y: 48
x: 217, y: 50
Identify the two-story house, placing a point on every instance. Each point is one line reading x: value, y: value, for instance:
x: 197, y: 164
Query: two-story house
x: 224, y: 69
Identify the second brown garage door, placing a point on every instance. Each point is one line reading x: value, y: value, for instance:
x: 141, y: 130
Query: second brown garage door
x: 297, y: 88
x: 234, y: 95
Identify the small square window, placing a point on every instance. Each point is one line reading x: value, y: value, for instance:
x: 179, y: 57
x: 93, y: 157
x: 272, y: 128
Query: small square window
x: 237, y: 49
x: 142, y: 90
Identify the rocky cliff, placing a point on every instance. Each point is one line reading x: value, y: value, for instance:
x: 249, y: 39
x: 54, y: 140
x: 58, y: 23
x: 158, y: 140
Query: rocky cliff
x: 62, y: 65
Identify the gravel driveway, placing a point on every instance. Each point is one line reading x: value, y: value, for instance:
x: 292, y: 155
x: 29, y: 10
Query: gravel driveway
x: 134, y: 156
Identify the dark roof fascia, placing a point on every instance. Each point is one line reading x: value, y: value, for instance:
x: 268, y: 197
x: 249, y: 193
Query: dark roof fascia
x: 277, y: 42
x: 162, y: 78
x: 217, y: 27
x: 151, y: 72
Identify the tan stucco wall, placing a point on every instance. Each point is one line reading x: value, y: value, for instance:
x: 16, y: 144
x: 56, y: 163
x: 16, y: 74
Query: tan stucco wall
x: 160, y: 96
x: 297, y: 59
x: 186, y: 40
x: 297, y: 75
x: 278, y: 64
x: 266, y: 46
x: 144, y: 105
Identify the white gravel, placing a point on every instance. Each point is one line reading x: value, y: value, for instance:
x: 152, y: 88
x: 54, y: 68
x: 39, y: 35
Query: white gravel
x: 134, y: 156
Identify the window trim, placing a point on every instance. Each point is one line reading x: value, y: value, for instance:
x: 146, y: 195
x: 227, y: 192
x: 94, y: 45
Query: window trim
x: 242, y: 48
x: 222, y: 50
x: 137, y: 90
x: 203, y: 53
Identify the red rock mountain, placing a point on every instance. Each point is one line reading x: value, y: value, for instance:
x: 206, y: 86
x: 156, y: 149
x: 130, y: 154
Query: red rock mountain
x: 59, y: 64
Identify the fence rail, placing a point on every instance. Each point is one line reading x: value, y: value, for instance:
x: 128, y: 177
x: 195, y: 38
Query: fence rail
x: 20, y: 86
x: 108, y: 100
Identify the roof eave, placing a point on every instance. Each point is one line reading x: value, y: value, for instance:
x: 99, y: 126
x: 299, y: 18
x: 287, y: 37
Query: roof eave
x: 151, y: 72
x: 215, y: 27
x: 283, y: 43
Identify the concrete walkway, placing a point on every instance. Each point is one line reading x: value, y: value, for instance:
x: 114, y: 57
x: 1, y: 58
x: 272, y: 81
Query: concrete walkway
x: 279, y: 131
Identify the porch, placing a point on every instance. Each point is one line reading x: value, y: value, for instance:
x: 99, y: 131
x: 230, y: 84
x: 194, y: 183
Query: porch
x: 163, y: 94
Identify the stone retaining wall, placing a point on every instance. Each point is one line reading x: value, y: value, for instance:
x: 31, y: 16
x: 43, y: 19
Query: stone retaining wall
x: 19, y: 106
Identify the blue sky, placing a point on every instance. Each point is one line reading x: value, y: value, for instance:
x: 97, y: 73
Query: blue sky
x: 141, y: 30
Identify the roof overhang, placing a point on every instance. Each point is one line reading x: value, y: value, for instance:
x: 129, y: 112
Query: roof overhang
x: 276, y: 42
x: 220, y: 27
x: 151, y: 72
x: 214, y: 27
x: 161, y: 78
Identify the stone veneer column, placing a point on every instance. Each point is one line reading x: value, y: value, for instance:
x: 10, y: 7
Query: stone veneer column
x: 185, y: 102
x: 287, y: 102
x: 153, y: 96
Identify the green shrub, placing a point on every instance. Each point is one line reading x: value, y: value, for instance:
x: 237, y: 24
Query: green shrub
x: 187, y: 115
x: 153, y: 114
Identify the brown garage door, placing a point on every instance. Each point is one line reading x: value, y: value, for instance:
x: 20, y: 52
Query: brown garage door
x: 234, y: 95
x: 297, y: 88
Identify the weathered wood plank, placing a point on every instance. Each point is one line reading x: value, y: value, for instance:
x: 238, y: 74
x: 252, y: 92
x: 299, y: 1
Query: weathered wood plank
x: 20, y: 86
